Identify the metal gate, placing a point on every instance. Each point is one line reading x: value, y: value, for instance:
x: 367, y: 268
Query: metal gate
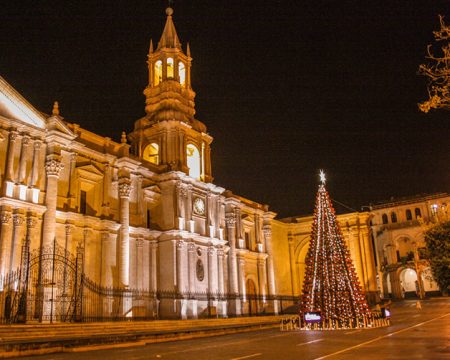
x: 46, y: 288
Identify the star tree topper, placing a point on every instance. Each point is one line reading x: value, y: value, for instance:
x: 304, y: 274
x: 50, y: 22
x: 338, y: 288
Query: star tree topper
x: 322, y: 177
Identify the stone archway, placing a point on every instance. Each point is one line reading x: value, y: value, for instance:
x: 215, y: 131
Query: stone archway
x: 408, y: 282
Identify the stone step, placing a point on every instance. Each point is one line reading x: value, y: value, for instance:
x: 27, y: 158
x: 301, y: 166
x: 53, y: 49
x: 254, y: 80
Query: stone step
x: 21, y: 340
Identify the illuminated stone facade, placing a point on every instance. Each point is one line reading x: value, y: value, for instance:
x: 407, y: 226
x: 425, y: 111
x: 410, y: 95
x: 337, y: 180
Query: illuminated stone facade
x: 397, y: 227
x: 144, y: 211
x: 291, y: 245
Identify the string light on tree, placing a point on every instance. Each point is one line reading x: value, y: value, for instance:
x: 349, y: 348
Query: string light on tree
x: 332, y: 295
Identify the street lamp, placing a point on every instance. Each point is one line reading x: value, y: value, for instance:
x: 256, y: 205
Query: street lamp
x: 419, y: 275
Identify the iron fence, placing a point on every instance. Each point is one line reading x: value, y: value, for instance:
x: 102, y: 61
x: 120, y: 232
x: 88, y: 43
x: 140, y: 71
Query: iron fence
x: 50, y: 287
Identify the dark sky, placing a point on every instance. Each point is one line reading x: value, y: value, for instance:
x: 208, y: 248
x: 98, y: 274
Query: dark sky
x: 284, y: 87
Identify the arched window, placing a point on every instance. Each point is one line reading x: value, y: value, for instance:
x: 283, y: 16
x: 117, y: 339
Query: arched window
x: 193, y: 161
x: 158, y: 72
x: 408, y: 214
x: 170, y: 67
x: 417, y: 213
x: 182, y: 73
x: 393, y: 217
x: 151, y: 153
x: 384, y: 217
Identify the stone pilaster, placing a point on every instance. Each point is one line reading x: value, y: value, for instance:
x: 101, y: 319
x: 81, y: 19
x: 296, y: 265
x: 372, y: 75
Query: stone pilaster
x: 53, y: 168
x: 153, y: 266
x: 18, y: 220
x: 220, y: 272
x: 13, y: 135
x: 192, y: 260
x: 23, y: 159
x: 294, y: 280
x: 68, y: 246
x: 358, y: 256
x: 181, y: 267
x: 105, y: 272
x: 212, y: 270
x: 262, y: 277
x: 267, y: 230
x: 241, y: 271
x: 106, y: 185
x: 36, y: 156
x: 139, y: 263
x: 124, y: 248
x: 71, y: 196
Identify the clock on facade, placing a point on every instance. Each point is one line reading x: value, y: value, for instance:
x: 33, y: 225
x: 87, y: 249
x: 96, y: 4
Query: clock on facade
x: 199, y: 206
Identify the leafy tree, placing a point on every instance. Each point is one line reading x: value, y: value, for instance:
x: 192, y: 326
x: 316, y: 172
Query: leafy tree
x: 437, y: 239
x: 437, y: 70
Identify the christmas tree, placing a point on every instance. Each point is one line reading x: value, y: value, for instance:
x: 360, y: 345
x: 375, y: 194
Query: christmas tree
x: 332, y: 296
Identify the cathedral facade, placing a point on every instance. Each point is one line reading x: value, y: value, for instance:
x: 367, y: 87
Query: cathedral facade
x: 141, y: 216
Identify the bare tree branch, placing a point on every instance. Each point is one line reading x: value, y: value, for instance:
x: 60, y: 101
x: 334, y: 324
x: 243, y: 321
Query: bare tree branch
x: 437, y: 70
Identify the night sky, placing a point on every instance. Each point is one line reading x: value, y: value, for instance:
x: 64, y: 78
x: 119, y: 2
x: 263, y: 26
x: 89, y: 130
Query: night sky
x: 285, y: 87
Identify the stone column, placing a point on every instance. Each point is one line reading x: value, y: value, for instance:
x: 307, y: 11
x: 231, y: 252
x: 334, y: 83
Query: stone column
x: 11, y: 154
x: 5, y: 240
x: 53, y: 168
x: 139, y: 263
x: 124, y: 248
x: 23, y: 159
x: 35, y: 169
x: 231, y: 227
x: 267, y: 229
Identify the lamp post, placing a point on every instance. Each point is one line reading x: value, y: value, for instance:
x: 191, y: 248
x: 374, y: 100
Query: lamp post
x: 419, y: 275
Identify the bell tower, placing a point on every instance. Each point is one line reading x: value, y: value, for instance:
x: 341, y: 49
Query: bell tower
x: 169, y: 136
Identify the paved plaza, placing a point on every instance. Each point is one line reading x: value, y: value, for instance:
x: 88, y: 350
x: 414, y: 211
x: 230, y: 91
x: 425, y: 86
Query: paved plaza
x: 413, y: 334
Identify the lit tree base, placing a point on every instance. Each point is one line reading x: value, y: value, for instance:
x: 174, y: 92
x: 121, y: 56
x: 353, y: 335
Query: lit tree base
x: 366, y: 322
